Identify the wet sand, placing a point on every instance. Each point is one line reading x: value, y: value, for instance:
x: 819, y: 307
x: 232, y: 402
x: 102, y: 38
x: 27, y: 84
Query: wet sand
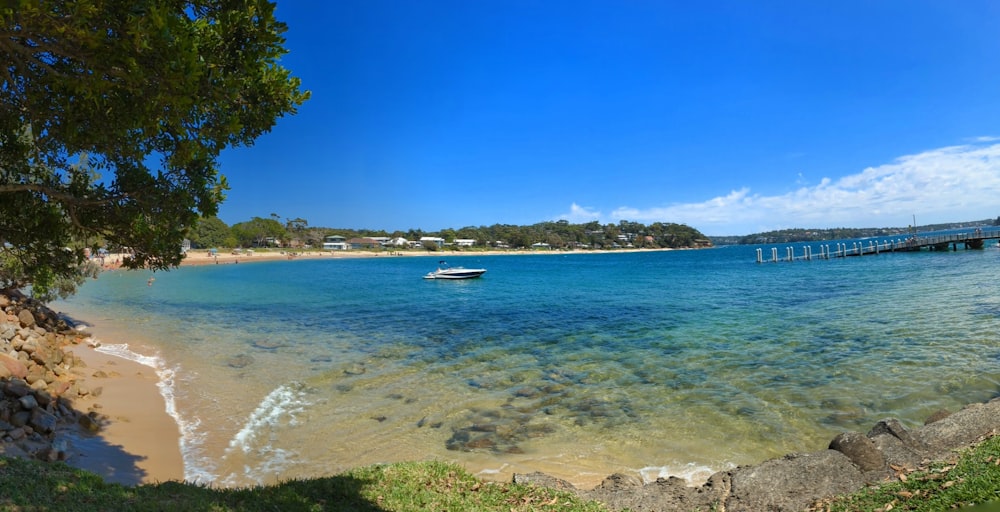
x: 140, y: 442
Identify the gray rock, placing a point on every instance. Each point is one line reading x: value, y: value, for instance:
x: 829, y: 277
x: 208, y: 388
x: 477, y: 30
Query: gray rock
x: 20, y: 418
x: 542, y: 480
x: 16, y: 434
x: 89, y: 423
x: 17, y: 388
x: 28, y: 402
x: 792, y: 483
x: 619, y: 481
x: 42, y: 421
x: 860, y: 449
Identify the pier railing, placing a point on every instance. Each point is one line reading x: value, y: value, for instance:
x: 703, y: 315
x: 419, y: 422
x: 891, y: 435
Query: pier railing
x: 975, y: 238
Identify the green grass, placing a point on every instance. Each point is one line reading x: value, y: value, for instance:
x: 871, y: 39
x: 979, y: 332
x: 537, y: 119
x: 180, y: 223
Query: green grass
x: 972, y: 478
x: 34, y: 486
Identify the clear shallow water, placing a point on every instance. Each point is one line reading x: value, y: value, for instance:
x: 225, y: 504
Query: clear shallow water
x: 579, y: 365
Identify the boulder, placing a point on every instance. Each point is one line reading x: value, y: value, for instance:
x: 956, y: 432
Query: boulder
x: 20, y: 418
x: 860, y: 449
x: 42, y: 421
x: 90, y: 422
x: 28, y: 402
x: 793, y: 482
x: 542, y: 480
x: 619, y: 481
x: 13, y: 366
x: 26, y: 318
x: 17, y: 388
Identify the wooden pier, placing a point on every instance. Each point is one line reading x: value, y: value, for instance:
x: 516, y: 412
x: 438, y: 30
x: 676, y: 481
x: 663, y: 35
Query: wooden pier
x: 973, y: 239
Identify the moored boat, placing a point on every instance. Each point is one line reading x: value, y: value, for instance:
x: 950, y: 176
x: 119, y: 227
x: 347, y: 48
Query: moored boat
x: 446, y: 272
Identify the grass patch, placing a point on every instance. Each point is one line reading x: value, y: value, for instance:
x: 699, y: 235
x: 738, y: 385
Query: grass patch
x: 34, y: 486
x: 972, y: 478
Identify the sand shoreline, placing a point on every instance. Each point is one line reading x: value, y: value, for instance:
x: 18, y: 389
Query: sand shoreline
x: 140, y: 442
x: 202, y: 257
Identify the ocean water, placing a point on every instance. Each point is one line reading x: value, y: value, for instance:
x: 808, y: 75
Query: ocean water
x: 578, y: 365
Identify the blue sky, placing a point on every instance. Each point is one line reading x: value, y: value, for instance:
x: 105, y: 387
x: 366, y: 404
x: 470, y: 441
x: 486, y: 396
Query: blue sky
x: 731, y: 117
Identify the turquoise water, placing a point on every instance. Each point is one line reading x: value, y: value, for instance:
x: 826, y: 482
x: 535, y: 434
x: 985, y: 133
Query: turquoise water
x: 579, y: 365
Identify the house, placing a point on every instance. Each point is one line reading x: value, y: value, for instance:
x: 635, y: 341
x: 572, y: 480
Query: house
x: 363, y: 243
x: 334, y: 243
x: 541, y: 246
x: 432, y: 239
x: 398, y: 242
x: 465, y: 242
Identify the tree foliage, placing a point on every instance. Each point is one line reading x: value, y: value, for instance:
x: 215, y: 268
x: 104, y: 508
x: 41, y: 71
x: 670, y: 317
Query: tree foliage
x: 257, y: 231
x: 212, y: 232
x: 112, y: 118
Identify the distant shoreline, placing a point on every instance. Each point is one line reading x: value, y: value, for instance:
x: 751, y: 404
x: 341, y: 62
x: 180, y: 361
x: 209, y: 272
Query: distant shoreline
x: 201, y: 257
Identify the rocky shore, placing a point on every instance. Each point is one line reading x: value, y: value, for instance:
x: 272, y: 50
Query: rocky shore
x: 801, y: 481
x: 40, y: 381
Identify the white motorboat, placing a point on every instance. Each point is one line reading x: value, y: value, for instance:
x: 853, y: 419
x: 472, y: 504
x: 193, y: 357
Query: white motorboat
x: 445, y: 272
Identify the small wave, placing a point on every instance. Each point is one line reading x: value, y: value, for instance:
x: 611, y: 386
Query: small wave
x: 195, y: 470
x: 278, y: 409
x: 694, y: 474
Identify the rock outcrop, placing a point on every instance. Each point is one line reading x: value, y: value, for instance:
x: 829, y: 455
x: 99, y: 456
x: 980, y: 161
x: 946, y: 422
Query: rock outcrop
x: 795, y: 482
x: 39, y: 380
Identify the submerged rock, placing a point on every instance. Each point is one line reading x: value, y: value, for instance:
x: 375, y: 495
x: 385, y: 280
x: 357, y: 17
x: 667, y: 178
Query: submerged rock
x: 240, y: 361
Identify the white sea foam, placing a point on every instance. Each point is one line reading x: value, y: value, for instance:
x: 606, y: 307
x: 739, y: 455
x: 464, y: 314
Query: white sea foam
x: 492, y: 471
x: 196, y: 469
x: 694, y: 474
x: 278, y: 409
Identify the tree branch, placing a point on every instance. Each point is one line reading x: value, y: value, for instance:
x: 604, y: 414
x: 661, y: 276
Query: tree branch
x: 58, y: 195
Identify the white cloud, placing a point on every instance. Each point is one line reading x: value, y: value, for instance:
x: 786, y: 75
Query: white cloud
x: 947, y: 184
x: 580, y: 214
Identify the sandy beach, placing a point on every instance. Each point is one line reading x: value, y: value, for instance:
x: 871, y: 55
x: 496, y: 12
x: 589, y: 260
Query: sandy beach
x: 140, y: 442
x: 201, y: 257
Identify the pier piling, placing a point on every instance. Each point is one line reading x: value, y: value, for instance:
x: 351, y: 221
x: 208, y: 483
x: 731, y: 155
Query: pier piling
x: 948, y: 242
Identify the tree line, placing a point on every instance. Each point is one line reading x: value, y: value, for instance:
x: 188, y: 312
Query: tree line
x: 819, y: 234
x: 296, y: 232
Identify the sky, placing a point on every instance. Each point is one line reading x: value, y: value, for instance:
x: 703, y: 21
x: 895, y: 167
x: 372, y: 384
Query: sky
x: 733, y: 117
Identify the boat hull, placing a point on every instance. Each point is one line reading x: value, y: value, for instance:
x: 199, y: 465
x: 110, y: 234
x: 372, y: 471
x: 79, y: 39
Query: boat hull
x: 456, y: 273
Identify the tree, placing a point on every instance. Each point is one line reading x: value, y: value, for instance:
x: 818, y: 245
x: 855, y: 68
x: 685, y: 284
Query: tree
x: 112, y: 118
x: 210, y: 232
x: 257, y: 231
x: 296, y: 228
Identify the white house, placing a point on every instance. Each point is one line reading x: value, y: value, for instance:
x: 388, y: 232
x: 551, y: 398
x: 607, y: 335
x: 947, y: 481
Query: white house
x: 437, y: 240
x: 465, y: 242
x: 334, y: 243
